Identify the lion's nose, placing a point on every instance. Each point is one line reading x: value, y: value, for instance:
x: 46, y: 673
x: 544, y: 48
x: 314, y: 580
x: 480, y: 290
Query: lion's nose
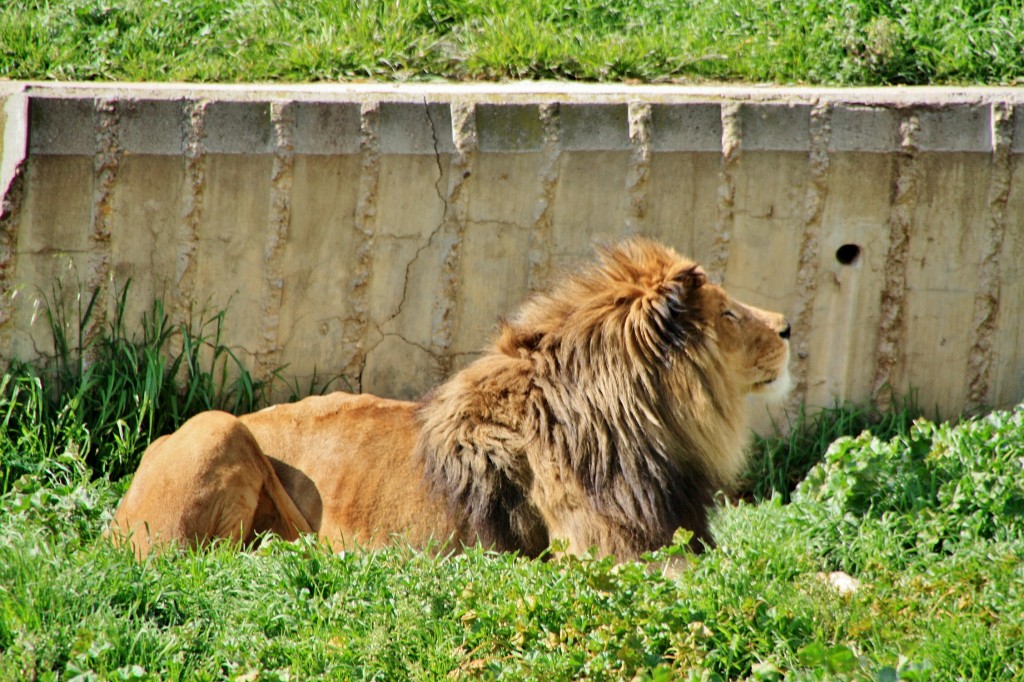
x: 785, y: 330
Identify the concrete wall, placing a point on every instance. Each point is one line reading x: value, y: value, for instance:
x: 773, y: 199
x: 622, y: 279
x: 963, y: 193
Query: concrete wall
x: 379, y: 231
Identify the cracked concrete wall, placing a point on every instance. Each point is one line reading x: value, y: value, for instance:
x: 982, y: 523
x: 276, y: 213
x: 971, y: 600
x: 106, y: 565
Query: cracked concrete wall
x: 378, y: 232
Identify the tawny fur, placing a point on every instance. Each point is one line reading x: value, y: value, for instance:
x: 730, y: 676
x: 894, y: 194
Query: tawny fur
x: 605, y: 414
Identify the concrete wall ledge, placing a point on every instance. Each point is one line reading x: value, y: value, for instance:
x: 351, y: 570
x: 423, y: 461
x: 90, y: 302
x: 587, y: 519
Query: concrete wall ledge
x: 377, y: 230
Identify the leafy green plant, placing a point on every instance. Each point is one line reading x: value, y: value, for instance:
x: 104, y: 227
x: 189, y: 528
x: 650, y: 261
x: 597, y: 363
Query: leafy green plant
x: 62, y: 500
x: 780, y: 461
x: 934, y: 490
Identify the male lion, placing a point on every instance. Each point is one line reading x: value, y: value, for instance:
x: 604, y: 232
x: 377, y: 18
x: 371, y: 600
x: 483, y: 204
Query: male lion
x: 605, y: 414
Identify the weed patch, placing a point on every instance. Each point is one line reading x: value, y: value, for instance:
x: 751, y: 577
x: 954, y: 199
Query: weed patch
x: 932, y: 492
x: 105, y: 394
x: 779, y: 462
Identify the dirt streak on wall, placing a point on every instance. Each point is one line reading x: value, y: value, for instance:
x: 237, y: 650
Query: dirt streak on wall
x: 983, y: 358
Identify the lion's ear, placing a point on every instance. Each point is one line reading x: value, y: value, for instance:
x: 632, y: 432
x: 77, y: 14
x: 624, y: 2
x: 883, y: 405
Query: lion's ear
x: 692, y: 277
x: 668, y: 320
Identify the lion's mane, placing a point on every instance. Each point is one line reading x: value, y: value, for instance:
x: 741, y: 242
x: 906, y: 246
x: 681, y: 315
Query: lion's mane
x: 601, y: 414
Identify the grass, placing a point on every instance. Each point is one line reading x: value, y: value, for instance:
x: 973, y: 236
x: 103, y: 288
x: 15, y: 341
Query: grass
x: 71, y: 605
x: 779, y: 462
x: 105, y: 394
x: 846, y: 42
x: 928, y: 517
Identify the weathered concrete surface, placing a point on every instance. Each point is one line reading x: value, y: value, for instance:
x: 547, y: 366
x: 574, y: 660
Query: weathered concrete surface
x: 378, y: 231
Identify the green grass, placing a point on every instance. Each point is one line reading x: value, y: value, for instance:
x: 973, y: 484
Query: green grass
x: 779, y: 462
x: 928, y: 517
x: 848, y: 42
x: 105, y: 394
x: 755, y: 607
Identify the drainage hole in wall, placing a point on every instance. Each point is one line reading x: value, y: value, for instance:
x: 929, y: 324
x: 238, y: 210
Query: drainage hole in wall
x: 848, y: 254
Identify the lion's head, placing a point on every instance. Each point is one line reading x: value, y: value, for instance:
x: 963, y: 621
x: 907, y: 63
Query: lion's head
x: 609, y: 409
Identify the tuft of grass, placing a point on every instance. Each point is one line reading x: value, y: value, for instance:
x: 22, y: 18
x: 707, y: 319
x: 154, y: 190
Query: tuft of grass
x: 780, y: 461
x: 105, y: 394
x: 844, y: 42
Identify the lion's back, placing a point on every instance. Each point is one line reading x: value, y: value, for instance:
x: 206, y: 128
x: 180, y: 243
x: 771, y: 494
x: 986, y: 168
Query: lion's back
x: 349, y: 462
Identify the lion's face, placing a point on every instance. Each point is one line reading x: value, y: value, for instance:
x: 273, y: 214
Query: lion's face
x: 754, y: 343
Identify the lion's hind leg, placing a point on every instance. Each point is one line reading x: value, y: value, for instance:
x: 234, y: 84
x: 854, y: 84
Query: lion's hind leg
x: 208, y: 480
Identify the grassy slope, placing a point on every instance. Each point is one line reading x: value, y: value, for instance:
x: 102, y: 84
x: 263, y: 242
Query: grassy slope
x: 809, y: 41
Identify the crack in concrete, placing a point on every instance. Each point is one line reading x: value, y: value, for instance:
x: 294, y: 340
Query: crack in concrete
x: 434, y: 355
x: 434, y: 233
x: 447, y: 235
x: 405, y: 281
x: 437, y: 160
x: 392, y: 335
x: 504, y: 224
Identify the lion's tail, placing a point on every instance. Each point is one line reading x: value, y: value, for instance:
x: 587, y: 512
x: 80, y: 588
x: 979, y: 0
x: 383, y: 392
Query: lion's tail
x: 284, y: 518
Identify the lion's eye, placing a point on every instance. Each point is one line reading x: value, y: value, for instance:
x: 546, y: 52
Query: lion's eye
x: 730, y: 314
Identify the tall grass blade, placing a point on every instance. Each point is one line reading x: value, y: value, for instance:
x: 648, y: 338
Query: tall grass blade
x: 106, y: 393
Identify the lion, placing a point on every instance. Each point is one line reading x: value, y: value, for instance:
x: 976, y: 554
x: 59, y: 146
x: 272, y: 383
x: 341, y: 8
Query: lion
x: 604, y: 415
